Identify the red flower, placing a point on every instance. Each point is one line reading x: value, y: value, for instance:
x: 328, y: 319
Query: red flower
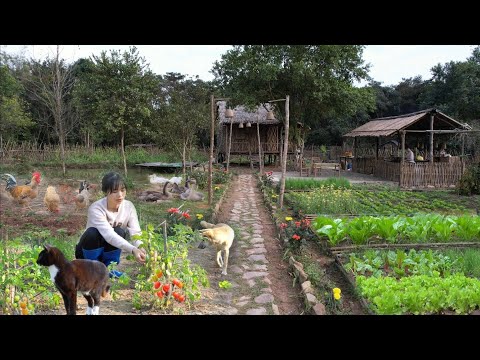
x: 297, y: 223
x: 296, y: 237
x: 173, y: 211
x: 186, y: 215
x: 306, y: 222
x: 283, y: 226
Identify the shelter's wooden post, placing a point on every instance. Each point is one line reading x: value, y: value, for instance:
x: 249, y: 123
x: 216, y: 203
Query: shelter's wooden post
x: 212, y: 144
x: 281, y: 149
x: 431, y: 138
x: 260, y: 150
x: 229, y: 144
x: 462, y: 157
x: 377, y: 148
x: 402, y: 160
x: 285, y: 151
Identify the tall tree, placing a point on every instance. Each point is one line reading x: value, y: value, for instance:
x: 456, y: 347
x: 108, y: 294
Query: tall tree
x: 119, y: 90
x: 51, y: 83
x: 455, y: 87
x: 14, y: 118
x: 319, y: 79
x: 409, y: 93
x: 83, y: 103
x: 184, y: 113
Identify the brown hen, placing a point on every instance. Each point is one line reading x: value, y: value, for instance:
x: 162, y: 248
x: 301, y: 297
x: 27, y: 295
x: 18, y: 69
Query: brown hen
x: 22, y: 194
x: 52, y: 200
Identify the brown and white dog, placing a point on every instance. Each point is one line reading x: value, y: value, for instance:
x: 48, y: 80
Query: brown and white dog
x: 221, y: 236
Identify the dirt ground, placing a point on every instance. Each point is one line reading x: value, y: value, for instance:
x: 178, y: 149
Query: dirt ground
x: 21, y: 220
x: 214, y: 300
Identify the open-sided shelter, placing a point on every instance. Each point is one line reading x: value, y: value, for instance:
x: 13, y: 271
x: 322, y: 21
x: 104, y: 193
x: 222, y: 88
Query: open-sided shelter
x: 244, y: 132
x: 379, y: 148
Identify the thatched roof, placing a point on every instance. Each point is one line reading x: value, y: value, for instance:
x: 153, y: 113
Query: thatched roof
x: 419, y: 120
x: 243, y: 116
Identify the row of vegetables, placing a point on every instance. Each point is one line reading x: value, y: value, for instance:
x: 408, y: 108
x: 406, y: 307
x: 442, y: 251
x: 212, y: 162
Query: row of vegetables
x: 402, y: 281
x: 420, y: 228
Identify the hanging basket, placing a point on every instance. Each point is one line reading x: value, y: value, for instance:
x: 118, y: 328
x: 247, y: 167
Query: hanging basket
x: 270, y: 115
x: 229, y: 113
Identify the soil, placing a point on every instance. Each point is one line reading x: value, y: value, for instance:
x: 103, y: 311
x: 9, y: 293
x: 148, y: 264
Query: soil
x: 21, y: 219
x: 351, y: 304
x: 214, y: 300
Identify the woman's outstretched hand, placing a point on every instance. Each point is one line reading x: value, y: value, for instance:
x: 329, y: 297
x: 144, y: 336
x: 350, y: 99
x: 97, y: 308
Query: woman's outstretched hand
x: 140, y: 255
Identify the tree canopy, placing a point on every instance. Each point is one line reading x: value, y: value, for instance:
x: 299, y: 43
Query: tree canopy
x: 118, y: 91
x: 14, y: 117
x: 318, y: 78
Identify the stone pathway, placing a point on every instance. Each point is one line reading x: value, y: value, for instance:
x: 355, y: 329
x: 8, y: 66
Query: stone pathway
x: 248, y: 268
x: 254, y: 270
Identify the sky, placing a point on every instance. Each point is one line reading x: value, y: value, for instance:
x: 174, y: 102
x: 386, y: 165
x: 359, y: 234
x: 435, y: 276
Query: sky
x: 389, y: 63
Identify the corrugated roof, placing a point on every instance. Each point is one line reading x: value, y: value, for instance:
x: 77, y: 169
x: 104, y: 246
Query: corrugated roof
x: 389, y: 125
x: 241, y: 115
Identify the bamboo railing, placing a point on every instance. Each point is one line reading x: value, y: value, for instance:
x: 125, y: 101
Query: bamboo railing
x: 441, y: 174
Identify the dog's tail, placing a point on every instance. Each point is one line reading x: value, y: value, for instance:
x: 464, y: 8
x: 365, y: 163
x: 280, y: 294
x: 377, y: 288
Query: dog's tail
x: 206, y: 225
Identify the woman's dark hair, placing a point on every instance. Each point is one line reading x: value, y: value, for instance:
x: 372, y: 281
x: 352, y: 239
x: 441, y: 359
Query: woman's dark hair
x: 112, y: 181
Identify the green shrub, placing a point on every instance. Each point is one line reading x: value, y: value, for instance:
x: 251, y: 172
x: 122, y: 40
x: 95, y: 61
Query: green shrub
x: 469, y: 183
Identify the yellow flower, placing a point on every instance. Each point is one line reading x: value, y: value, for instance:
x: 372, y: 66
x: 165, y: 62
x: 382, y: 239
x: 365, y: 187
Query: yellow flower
x: 288, y: 218
x: 199, y: 216
x: 216, y: 188
x: 337, y: 290
x: 337, y: 296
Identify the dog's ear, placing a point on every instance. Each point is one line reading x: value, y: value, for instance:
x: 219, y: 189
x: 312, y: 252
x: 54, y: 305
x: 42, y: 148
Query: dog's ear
x: 207, y: 233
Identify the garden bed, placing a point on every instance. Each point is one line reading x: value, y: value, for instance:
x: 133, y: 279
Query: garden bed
x: 414, y: 282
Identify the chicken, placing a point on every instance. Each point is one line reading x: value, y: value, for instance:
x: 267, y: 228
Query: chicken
x: 82, y: 199
x: 22, y: 194
x: 52, y: 200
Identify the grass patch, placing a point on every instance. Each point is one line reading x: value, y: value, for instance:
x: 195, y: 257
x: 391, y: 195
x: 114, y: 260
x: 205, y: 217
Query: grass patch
x: 307, y: 184
x: 468, y: 260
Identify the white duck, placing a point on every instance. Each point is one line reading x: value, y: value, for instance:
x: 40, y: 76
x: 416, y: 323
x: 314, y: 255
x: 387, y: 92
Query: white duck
x: 154, y: 179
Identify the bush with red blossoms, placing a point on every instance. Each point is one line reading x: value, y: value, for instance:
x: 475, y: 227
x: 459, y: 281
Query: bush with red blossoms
x: 177, y: 216
x: 296, y: 233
